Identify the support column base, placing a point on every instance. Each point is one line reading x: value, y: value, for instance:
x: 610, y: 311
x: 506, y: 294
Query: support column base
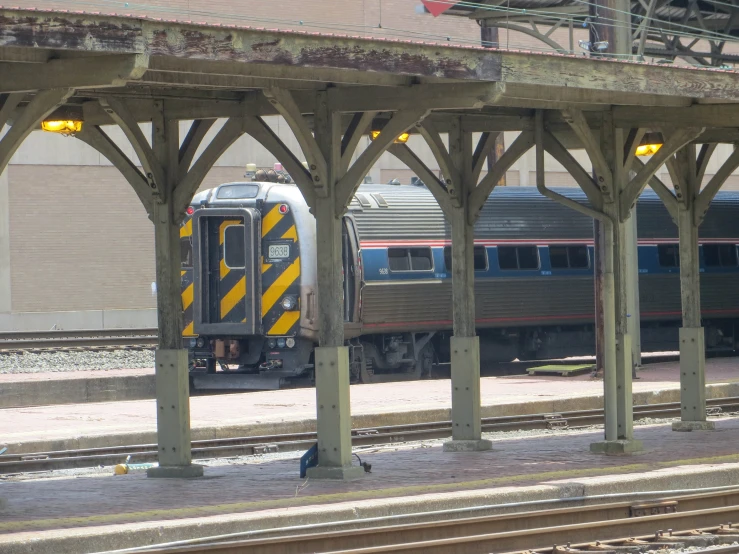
x: 342, y: 473
x: 175, y: 472
x: 685, y: 426
x: 479, y: 445
x: 616, y: 447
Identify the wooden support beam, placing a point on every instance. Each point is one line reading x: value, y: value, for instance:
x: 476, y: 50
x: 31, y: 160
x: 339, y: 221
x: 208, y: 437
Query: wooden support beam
x: 432, y: 182
x: 479, y: 195
x: 634, y: 188
x: 285, y: 104
x: 98, y: 139
x: 704, y: 157
x: 349, y: 181
x: 29, y: 119
x: 88, y: 72
x: 198, y: 129
x: 264, y: 135
x: 541, y: 175
x: 441, y: 154
x: 358, y: 126
x: 582, y: 178
x: 579, y: 124
x: 631, y: 144
x: 8, y: 104
x: 188, y: 186
x: 664, y: 193
x: 485, y: 145
x: 122, y: 116
x: 703, y: 200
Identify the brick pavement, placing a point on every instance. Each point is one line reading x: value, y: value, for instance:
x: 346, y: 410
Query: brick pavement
x: 108, y: 418
x: 103, y: 500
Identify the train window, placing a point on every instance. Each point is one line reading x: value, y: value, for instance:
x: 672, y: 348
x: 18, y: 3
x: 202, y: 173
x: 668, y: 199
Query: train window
x: 233, y: 192
x: 410, y: 259
x: 719, y: 255
x: 398, y: 259
x: 518, y: 257
x: 669, y: 255
x: 186, y: 252
x: 480, y: 254
x: 234, y: 249
x: 421, y: 259
x: 569, y: 257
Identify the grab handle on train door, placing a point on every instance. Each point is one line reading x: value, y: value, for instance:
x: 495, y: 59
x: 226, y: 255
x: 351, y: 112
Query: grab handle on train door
x: 310, y: 308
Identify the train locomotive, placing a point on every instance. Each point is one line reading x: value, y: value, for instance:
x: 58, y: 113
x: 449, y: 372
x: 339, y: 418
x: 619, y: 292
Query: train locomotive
x: 249, y: 281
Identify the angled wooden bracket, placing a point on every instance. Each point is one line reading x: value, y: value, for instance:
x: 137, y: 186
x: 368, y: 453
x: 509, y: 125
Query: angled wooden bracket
x: 349, y: 181
x: 664, y: 193
x: 636, y: 185
x: 582, y: 178
x: 358, y: 126
x: 29, y: 118
x: 604, y: 178
x: 432, y: 182
x: 264, y: 135
x: 153, y: 170
x: 285, y: 104
x: 98, y: 139
x: 479, y: 194
x: 188, y: 186
x: 703, y: 200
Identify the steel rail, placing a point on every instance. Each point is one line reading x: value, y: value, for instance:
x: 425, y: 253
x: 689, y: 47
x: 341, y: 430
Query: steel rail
x: 491, y: 533
x: 32, y: 340
x: 292, y: 442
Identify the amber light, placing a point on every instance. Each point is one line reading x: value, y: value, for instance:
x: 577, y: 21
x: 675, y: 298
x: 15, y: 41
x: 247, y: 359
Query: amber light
x: 647, y: 149
x: 402, y: 138
x: 66, y: 127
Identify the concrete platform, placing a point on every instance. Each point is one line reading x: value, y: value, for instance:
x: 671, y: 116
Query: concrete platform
x: 93, y: 514
x: 74, y: 387
x: 261, y: 413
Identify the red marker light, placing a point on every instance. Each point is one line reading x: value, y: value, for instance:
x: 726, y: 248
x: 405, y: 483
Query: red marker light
x: 284, y: 208
x: 190, y: 210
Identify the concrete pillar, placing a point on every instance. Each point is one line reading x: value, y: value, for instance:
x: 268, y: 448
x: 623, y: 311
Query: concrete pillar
x: 172, y: 371
x: 633, y: 321
x: 618, y: 356
x: 5, y: 284
x: 465, y: 345
x: 692, y: 337
x: 333, y: 407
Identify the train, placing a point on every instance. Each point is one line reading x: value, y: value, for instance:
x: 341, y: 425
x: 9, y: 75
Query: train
x: 249, y: 280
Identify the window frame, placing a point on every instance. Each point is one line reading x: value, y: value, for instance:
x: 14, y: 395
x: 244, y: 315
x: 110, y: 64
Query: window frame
x: 720, y: 265
x: 477, y: 248
x: 188, y: 240
x: 225, y: 242
x: 568, y: 248
x: 675, y: 255
x: 518, y: 259
x: 410, y: 259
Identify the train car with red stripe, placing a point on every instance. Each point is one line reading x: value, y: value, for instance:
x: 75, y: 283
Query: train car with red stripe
x: 249, y: 281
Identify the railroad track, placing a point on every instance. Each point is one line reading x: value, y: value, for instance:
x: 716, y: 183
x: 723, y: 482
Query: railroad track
x: 246, y: 446
x: 679, y: 521
x: 81, y: 339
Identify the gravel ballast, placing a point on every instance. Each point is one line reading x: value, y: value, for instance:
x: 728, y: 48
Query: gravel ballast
x: 62, y: 361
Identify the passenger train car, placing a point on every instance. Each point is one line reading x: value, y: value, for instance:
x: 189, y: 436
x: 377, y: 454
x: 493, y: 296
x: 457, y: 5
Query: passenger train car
x: 249, y: 280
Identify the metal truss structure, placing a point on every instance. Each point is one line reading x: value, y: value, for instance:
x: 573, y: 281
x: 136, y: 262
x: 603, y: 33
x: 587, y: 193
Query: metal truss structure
x: 699, y: 32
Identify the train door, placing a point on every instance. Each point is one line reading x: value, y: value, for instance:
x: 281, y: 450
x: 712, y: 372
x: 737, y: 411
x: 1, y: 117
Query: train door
x: 226, y: 272
x: 352, y: 270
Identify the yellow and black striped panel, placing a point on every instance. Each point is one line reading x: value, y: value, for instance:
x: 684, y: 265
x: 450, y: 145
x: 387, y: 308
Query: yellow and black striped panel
x: 282, y: 278
x: 232, y: 284
x: 187, y: 276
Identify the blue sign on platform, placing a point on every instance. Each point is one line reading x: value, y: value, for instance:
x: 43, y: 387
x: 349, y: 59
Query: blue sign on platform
x: 309, y: 459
